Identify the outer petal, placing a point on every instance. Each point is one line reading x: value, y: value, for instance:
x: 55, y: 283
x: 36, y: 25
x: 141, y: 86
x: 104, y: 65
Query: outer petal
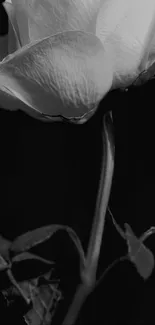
x: 127, y: 27
x: 14, y: 41
x: 65, y: 74
x: 40, y: 18
x: 3, y: 46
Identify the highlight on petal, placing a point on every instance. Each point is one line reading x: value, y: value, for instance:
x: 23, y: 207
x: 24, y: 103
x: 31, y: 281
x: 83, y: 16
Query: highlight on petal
x: 127, y: 28
x: 14, y: 42
x: 38, y: 19
x: 66, y: 74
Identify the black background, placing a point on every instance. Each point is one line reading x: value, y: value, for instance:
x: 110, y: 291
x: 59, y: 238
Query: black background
x: 49, y: 173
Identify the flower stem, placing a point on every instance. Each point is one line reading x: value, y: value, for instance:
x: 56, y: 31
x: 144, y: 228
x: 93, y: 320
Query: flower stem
x: 88, y: 273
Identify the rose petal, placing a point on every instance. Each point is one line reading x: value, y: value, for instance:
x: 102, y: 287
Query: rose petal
x: 65, y: 74
x: 14, y: 42
x: 20, y: 21
x: 38, y: 19
x: 127, y: 28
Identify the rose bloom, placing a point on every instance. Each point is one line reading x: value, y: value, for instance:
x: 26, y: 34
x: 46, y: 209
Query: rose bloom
x: 65, y: 56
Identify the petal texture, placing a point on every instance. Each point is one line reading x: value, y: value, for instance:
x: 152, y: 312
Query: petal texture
x: 65, y: 74
x: 127, y: 28
x: 40, y: 18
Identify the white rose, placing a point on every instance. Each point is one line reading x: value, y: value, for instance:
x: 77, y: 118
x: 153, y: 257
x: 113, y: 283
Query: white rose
x: 71, y: 53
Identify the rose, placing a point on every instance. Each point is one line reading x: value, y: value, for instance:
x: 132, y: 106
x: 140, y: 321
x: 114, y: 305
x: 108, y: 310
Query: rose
x: 71, y: 53
x: 70, y: 70
x: 68, y: 73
